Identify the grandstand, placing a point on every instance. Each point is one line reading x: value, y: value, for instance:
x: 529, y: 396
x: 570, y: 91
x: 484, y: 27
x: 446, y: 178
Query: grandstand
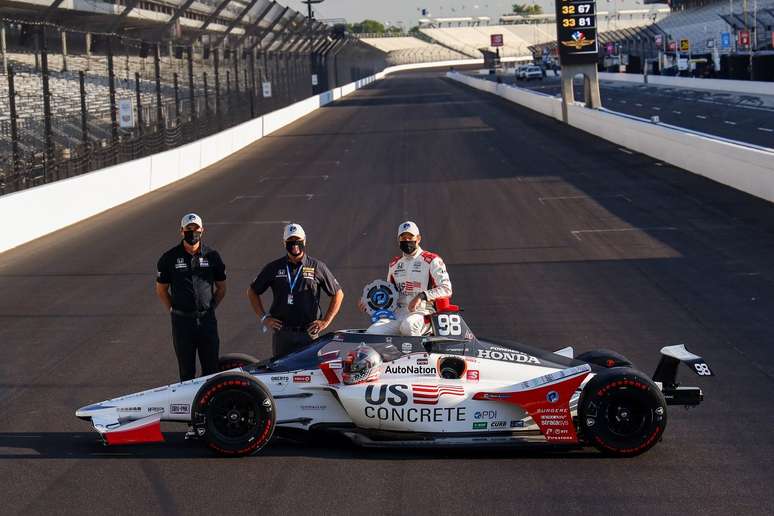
x: 72, y: 64
x: 522, y: 33
x: 403, y: 49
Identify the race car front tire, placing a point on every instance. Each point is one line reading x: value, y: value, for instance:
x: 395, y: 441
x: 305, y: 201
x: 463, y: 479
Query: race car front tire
x: 621, y: 412
x: 234, y: 414
x: 234, y: 360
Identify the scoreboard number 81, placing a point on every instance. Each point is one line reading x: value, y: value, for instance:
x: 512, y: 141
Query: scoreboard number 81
x: 580, y: 22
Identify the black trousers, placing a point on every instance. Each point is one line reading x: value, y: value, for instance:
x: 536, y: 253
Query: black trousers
x: 191, y: 335
x: 288, y: 341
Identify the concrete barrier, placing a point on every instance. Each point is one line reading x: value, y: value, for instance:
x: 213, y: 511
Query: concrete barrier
x: 749, y: 87
x: 745, y: 167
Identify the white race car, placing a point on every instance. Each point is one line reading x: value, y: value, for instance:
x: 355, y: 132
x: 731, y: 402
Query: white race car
x: 446, y: 389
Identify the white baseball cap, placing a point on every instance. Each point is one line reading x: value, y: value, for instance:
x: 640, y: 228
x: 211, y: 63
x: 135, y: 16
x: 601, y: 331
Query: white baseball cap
x: 408, y: 227
x: 294, y: 230
x: 191, y: 218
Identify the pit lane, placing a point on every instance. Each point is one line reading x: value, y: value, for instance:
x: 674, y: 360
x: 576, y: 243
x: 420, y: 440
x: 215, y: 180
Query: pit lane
x: 550, y: 235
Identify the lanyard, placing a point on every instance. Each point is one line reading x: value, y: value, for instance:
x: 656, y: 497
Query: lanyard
x: 295, y: 280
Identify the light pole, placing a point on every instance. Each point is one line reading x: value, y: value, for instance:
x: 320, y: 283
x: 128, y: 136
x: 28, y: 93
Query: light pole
x: 312, y: 63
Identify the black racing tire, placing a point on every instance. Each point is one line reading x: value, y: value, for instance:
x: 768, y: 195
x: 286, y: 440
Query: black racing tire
x: 605, y: 358
x: 234, y: 414
x: 621, y: 412
x: 234, y: 360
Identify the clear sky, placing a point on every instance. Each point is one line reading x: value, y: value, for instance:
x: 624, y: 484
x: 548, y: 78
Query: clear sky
x: 408, y: 11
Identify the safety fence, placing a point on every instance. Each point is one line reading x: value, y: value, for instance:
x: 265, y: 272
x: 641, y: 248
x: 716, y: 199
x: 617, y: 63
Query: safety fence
x: 64, y: 114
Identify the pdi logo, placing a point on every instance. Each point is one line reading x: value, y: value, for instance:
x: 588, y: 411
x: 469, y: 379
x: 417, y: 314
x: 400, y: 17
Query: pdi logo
x: 485, y: 414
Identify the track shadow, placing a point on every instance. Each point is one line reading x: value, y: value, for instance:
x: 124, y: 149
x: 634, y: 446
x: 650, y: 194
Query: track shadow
x: 86, y: 445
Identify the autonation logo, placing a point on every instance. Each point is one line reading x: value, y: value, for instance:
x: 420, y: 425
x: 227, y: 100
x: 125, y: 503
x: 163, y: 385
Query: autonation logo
x: 418, y: 370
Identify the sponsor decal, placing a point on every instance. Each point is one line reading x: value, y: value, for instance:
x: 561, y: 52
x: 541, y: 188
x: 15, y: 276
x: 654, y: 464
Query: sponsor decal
x: 416, y: 414
x: 552, y: 397
x: 179, y: 408
x: 180, y: 264
x: 472, y: 375
x: 280, y: 379
x: 429, y: 394
x: 335, y: 364
x: 485, y: 414
x: 507, y: 355
x: 481, y: 425
x: 409, y: 369
x: 302, y: 378
x: 204, y: 263
x: 397, y: 394
x: 314, y: 407
x: 422, y: 361
x: 406, y: 347
x: 497, y: 424
x: 555, y: 423
x: 495, y: 396
x: 517, y: 424
x: 129, y: 409
x: 155, y: 409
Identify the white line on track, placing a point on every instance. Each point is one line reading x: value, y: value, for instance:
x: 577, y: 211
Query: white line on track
x: 309, y: 196
x: 729, y: 122
x: 575, y: 197
x: 622, y: 101
x: 677, y: 112
x: 766, y: 129
x: 324, y: 177
x: 578, y: 232
x: 701, y: 116
x: 656, y: 108
x: 625, y: 151
x: 638, y: 105
x: 306, y: 163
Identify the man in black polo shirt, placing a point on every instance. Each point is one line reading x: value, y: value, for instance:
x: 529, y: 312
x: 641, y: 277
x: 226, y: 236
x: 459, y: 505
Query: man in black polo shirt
x: 295, y: 281
x: 191, y: 282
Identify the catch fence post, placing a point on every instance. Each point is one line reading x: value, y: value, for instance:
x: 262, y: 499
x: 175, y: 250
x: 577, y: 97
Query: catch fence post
x: 138, y: 96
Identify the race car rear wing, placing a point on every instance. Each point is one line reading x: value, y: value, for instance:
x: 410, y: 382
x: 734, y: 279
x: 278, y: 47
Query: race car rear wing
x: 666, y: 375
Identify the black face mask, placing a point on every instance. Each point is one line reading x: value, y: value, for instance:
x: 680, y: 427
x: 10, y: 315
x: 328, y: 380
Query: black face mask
x: 192, y: 237
x: 408, y: 246
x: 290, y: 245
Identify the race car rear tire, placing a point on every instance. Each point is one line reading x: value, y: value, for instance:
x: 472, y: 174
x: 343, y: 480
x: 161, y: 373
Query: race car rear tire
x: 605, y: 358
x: 234, y: 360
x: 621, y: 412
x: 234, y: 414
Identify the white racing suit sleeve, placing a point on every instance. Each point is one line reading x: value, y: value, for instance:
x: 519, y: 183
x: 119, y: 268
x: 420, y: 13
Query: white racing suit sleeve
x: 440, y: 284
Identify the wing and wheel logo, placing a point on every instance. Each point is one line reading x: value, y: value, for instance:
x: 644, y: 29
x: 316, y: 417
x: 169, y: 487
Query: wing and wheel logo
x: 578, y: 41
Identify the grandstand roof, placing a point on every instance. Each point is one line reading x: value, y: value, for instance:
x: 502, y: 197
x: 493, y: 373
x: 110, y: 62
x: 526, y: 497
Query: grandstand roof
x: 184, y: 20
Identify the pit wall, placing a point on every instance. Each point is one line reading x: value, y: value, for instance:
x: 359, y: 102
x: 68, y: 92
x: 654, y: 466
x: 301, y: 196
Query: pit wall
x: 47, y: 208
x: 725, y: 85
x: 735, y: 164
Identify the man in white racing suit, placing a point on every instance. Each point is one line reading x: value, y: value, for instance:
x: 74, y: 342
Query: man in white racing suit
x: 420, y: 277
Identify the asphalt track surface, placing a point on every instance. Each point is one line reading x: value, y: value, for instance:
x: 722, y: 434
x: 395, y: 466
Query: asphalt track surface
x: 735, y: 116
x: 538, y: 224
